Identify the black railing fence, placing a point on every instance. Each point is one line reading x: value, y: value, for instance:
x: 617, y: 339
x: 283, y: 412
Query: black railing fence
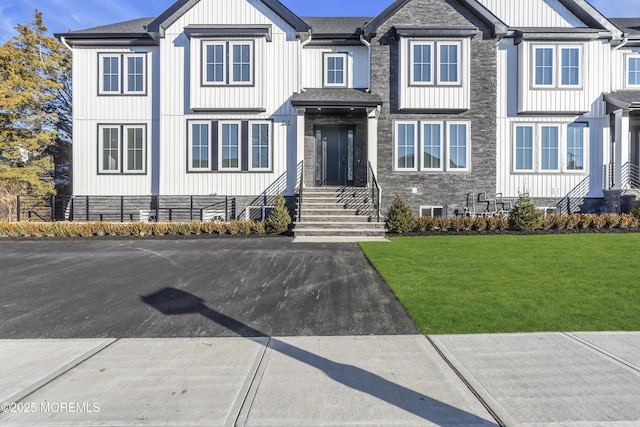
x: 126, y: 208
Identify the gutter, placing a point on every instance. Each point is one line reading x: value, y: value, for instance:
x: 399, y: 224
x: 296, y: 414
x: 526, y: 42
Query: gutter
x: 302, y: 45
x: 63, y: 40
x: 368, y: 45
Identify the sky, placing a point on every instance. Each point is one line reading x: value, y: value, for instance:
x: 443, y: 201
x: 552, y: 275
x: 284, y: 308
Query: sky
x: 63, y: 15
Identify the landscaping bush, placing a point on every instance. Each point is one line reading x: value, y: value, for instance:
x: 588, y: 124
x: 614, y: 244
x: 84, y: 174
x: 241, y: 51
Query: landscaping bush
x: 636, y: 210
x: 279, y: 219
x: 497, y: 223
x: 525, y: 215
x: 400, y: 219
x: 425, y: 223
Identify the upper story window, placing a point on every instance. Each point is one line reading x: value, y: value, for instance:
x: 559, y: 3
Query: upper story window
x: 444, y: 146
x: 633, y: 71
x: 335, y: 69
x: 434, y: 62
x: 122, y: 74
x: 557, y: 66
x: 122, y: 149
x: 227, y: 63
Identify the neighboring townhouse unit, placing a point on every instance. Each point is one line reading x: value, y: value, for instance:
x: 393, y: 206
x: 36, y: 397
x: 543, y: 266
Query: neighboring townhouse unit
x: 457, y: 105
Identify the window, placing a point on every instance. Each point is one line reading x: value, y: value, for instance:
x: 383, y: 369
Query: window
x: 132, y: 80
x: 335, y: 69
x: 541, y: 148
x: 575, y: 147
x: 458, y: 152
x: 422, y: 63
x: 230, y: 146
x: 122, y: 149
x: 566, y: 74
x: 259, y: 152
x: 199, y: 146
x: 406, y: 146
x: 134, y: 153
x: 241, y: 60
x: 429, y: 60
x: 549, y: 148
x: 524, y: 148
x: 436, y: 139
x: 570, y: 73
x: 227, y: 63
x: 433, y: 211
x: 633, y: 71
x: 214, y: 63
x: 449, y: 62
x: 432, y: 146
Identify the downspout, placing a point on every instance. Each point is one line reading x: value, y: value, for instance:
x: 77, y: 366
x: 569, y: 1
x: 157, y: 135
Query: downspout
x: 302, y: 45
x: 622, y: 44
x: 368, y: 45
x: 65, y: 44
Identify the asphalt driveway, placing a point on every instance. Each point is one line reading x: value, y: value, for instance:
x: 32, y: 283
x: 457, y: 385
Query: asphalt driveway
x: 192, y: 288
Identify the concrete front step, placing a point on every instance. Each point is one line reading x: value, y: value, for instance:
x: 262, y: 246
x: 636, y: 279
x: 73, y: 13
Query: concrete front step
x: 322, y: 232
x: 329, y: 212
x: 341, y: 225
x: 338, y: 218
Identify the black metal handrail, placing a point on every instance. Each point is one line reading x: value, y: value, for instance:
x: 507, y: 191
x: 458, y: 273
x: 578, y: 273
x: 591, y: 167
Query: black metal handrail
x: 300, y: 187
x: 376, y: 191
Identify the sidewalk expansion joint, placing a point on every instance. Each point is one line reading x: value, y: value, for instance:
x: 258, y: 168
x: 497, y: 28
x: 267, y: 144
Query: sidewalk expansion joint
x: 40, y: 384
x: 616, y: 359
x: 467, y: 383
x: 252, y: 386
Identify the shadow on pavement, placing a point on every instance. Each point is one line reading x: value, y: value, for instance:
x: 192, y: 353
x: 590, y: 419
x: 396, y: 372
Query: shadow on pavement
x: 171, y: 301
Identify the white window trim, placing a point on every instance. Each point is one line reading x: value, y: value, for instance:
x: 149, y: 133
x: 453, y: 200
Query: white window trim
x: 627, y: 69
x: 586, y: 133
x: 190, y: 145
x: 250, y: 148
x: 515, y: 148
x: 225, y: 63
x: 101, y: 90
x: 556, y: 74
x: 416, y: 137
x: 559, y: 147
x: 458, y: 59
x: 125, y: 149
x: 219, y: 142
x: 468, y: 146
x: 442, y: 146
x: 230, y: 64
x: 431, y: 208
x: 125, y: 74
x: 412, y: 80
x: 345, y: 77
x: 101, y: 169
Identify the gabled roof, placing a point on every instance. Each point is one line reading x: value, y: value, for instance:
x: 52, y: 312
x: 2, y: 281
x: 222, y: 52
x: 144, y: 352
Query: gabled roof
x: 496, y: 25
x: 180, y: 7
x: 590, y: 16
x: 121, y: 33
x: 630, y: 26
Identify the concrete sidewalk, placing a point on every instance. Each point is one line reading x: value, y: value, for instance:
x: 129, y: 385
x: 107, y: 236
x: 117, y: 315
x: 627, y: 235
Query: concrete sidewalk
x: 581, y: 379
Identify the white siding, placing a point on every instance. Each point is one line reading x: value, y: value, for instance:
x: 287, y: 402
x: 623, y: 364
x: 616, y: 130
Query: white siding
x: 619, y: 59
x: 532, y: 13
x: 91, y: 110
x: 435, y: 97
x: 357, y: 66
x: 276, y: 79
x: 595, y: 81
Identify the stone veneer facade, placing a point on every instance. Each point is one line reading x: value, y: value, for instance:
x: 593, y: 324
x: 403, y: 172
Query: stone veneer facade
x: 437, y: 188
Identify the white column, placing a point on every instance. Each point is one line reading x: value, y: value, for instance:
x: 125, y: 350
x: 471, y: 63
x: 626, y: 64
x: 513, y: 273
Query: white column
x: 622, y: 146
x: 372, y: 139
x: 300, y: 138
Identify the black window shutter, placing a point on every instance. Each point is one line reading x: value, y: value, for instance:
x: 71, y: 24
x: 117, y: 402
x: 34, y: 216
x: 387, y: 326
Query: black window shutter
x: 214, y: 146
x: 244, y: 146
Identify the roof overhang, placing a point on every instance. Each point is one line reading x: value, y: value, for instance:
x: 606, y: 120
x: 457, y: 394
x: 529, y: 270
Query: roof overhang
x: 559, y: 34
x: 227, y: 31
x: 435, y: 31
x: 627, y: 100
x: 335, y: 98
x: 108, y: 39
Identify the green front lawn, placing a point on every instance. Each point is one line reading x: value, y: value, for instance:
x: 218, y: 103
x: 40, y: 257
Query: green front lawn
x: 493, y: 284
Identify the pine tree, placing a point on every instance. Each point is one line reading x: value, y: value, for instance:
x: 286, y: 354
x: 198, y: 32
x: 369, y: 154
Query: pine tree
x: 279, y: 218
x: 525, y: 215
x: 34, y: 69
x: 400, y: 219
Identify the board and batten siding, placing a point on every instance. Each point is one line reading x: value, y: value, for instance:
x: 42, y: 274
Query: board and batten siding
x: 619, y: 70
x: 532, y: 13
x: 551, y: 185
x: 91, y: 110
x: 276, y: 78
x: 357, y: 65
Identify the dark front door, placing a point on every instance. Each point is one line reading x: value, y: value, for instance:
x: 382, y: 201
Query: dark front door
x: 334, y: 155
